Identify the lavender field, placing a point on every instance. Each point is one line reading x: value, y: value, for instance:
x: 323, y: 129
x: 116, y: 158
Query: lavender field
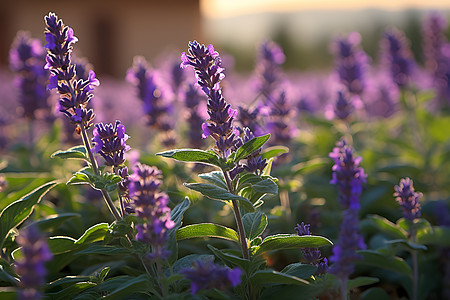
x: 187, y: 179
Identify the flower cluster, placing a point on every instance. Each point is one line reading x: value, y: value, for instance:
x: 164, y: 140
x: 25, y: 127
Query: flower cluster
x: 347, y: 175
x: 192, y: 99
x: 75, y: 94
x: 152, y: 212
x: 154, y: 105
x: 27, y: 59
x: 208, y: 71
x: 312, y: 256
x: 351, y: 63
x: 408, y: 199
x: 109, y: 141
x: 270, y: 59
x: 280, y: 118
x: 398, y: 56
x: 207, y: 275
x: 31, y: 268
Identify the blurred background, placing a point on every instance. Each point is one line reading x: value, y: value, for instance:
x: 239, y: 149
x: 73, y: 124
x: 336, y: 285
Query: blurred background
x: 111, y: 33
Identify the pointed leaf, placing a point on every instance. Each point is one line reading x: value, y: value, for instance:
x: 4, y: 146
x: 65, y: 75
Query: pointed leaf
x: 192, y: 155
x: 123, y: 287
x: 274, y: 151
x: 176, y: 215
x: 103, y: 250
x: 71, y: 291
x: 361, y: 281
x: 264, y: 277
x: 77, y: 152
x: 93, y: 234
x: 300, y: 270
x: 230, y: 259
x: 217, y: 193
x: 407, y: 244
x: 377, y: 259
x: 207, y: 230
x: 53, y: 221
x: 215, y: 177
x: 439, y: 236
x: 290, y: 241
x: 266, y: 186
x: 251, y: 146
x: 381, y: 224
x: 15, y: 213
x: 254, y: 224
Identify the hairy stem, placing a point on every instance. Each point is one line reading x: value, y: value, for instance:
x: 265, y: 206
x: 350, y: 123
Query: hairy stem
x: 105, y: 194
x: 238, y: 217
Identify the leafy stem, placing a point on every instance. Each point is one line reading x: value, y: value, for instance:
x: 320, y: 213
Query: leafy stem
x: 105, y: 194
x: 238, y: 217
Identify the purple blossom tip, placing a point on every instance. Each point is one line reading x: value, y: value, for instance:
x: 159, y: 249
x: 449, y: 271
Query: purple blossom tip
x: 408, y: 199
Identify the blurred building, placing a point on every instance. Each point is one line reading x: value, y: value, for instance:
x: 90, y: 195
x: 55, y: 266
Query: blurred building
x: 110, y: 32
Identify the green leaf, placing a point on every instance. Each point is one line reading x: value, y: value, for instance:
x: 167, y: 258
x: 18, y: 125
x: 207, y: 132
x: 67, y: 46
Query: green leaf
x: 54, y: 221
x: 84, y: 176
x: 290, y: 241
x: 266, y: 186
x: 192, y: 155
x: 186, y: 261
x: 377, y: 259
x: 406, y: 244
x: 15, y: 213
x: 215, y: 177
x: 268, y: 167
x: 264, y: 277
x: 274, y: 151
x: 217, y: 193
x: 77, y: 152
x: 123, y: 286
x: 439, y: 236
x: 176, y: 216
x: 254, y: 224
x: 207, y: 230
x: 251, y: 146
x: 310, y: 165
x: 61, y: 244
x: 71, y: 291
x: 7, y: 273
x: 381, y: 224
x: 361, y: 281
x: 103, y: 250
x: 93, y: 234
x: 300, y: 270
x: 230, y: 259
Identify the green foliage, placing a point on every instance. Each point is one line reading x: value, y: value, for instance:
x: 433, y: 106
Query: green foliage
x: 289, y: 241
x: 77, y: 152
x: 193, y: 155
x: 250, y: 147
x: 207, y: 230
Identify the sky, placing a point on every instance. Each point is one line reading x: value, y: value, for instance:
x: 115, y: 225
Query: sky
x: 217, y: 9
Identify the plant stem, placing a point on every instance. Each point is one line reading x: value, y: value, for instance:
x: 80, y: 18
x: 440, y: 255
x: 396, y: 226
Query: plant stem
x: 415, y: 265
x: 105, y: 194
x: 344, y: 289
x: 237, y: 215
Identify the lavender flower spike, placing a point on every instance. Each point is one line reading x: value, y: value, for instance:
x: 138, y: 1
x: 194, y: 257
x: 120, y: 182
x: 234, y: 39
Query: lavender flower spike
x: 31, y: 267
x: 408, y: 199
x: 151, y: 209
x: 398, y: 56
x: 206, y: 275
x: 347, y: 175
x: 75, y: 94
x: 109, y: 142
x: 26, y: 58
x: 312, y: 256
x: 351, y: 62
x: 208, y: 71
x: 268, y: 69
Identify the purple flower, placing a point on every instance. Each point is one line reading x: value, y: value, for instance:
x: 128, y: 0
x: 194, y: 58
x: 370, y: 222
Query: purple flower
x: 26, y: 59
x: 344, y: 252
x: 109, y: 141
x: 152, y: 96
x: 194, y: 118
x: 347, y: 175
x: 268, y: 68
x: 398, y: 56
x: 74, y: 93
x: 312, y: 256
x: 152, y: 212
x: 206, y: 275
x: 433, y: 30
x: 280, y: 117
x: 208, y: 71
x: 351, y: 62
x: 31, y: 268
x: 408, y: 199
